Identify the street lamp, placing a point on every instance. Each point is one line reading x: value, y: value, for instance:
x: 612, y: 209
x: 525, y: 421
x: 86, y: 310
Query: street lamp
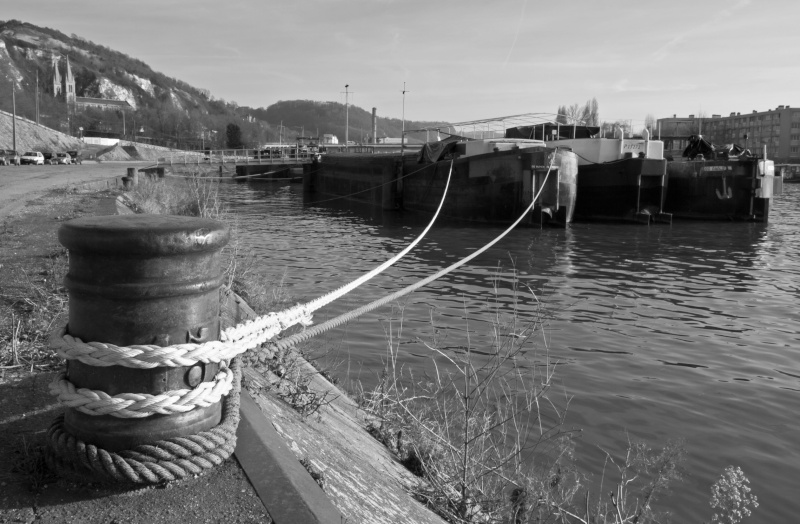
x: 346, y: 118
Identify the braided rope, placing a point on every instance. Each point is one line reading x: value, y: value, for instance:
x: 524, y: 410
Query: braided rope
x: 235, y: 341
x: 163, y: 461
x: 141, y: 405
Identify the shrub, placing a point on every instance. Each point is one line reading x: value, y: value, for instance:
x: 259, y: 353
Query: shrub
x: 731, y: 496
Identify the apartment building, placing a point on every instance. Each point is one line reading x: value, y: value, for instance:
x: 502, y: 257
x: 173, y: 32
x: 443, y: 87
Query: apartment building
x: 778, y: 129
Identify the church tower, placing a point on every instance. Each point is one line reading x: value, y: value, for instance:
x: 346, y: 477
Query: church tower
x: 56, y: 77
x: 69, y: 85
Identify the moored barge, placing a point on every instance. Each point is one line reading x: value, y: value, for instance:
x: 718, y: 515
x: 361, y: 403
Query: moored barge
x: 713, y: 183
x: 619, y: 179
x: 493, y: 180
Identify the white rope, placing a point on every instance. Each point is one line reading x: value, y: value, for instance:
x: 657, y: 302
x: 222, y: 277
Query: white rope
x: 346, y: 317
x: 330, y: 297
x: 141, y: 405
x: 233, y: 341
x: 146, y: 356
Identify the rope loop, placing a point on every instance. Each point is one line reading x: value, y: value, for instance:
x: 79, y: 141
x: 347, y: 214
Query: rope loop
x: 163, y: 461
x: 141, y: 405
x: 235, y: 341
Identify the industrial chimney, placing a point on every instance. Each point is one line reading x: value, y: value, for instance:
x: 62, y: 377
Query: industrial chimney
x: 374, y: 125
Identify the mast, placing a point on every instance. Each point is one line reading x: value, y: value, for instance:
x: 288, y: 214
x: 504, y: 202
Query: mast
x: 403, y: 133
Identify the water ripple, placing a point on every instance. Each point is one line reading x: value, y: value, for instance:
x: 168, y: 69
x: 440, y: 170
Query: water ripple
x: 690, y: 330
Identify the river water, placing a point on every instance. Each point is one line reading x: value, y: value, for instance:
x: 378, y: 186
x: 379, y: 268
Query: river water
x: 685, y: 331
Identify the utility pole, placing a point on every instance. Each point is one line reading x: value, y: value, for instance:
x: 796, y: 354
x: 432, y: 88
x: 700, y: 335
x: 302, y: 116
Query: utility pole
x: 37, y: 96
x: 403, y: 134
x: 346, y: 117
x: 14, y: 116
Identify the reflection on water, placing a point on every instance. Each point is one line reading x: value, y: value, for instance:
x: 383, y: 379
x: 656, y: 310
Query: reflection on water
x: 689, y: 330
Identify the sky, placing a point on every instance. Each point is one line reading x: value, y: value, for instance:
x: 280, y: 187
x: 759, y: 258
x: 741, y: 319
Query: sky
x: 459, y: 60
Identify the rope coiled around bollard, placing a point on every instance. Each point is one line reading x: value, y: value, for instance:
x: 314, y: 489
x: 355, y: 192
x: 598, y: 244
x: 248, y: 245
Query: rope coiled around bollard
x: 163, y: 461
x: 140, y: 405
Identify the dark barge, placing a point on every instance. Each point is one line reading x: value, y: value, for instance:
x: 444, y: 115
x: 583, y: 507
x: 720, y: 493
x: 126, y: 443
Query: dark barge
x: 493, y: 180
x: 713, y: 183
x: 619, y: 179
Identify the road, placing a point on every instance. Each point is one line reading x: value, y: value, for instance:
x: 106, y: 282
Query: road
x: 21, y: 184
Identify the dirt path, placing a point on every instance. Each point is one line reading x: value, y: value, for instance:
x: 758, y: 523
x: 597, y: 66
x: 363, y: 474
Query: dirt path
x: 22, y: 184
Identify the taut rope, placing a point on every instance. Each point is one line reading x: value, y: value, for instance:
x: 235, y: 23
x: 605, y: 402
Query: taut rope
x: 177, y: 458
x: 350, y: 315
x: 234, y: 341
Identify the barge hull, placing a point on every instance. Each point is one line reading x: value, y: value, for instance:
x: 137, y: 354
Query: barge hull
x: 496, y: 188
x: 739, y: 190
x: 630, y: 190
x: 492, y: 188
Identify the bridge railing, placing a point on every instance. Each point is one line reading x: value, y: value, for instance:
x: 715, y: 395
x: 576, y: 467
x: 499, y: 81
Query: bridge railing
x: 282, y: 155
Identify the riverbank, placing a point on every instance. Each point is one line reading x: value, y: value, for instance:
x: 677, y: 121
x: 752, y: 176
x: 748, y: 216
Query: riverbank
x: 360, y: 476
x: 313, y: 420
x: 32, y: 259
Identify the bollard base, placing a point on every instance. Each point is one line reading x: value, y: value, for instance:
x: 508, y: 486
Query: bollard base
x: 157, y: 462
x: 118, y: 434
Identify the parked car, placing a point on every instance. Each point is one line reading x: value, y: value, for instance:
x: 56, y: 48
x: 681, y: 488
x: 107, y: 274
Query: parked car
x: 62, y: 158
x: 10, y: 157
x: 32, y: 157
x: 75, y: 156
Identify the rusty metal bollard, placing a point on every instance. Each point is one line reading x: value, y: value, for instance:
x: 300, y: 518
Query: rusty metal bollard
x: 142, y: 279
x: 127, y: 183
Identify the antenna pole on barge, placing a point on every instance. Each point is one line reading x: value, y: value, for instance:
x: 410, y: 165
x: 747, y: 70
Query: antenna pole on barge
x: 403, y: 134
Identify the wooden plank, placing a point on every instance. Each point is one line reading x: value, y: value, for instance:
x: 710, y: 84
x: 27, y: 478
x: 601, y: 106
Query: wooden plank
x: 281, y: 482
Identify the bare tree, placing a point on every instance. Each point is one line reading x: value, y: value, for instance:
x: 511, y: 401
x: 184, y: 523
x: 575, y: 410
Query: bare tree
x: 591, y: 113
x: 587, y: 114
x: 574, y: 114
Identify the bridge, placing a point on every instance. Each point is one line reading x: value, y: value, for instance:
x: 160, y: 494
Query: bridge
x: 273, y: 160
x: 278, y: 155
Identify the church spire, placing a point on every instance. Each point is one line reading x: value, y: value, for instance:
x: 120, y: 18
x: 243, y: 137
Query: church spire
x: 69, y: 84
x: 56, y: 77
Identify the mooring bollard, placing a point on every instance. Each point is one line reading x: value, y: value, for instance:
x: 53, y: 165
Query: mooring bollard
x: 133, y: 175
x: 149, y: 280
x: 160, y: 172
x: 127, y: 183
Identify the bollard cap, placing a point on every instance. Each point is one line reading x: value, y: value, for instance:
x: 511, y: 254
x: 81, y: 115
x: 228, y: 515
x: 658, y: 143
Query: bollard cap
x: 143, y: 235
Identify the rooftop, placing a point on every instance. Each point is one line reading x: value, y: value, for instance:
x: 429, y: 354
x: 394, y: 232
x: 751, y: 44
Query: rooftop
x: 123, y: 104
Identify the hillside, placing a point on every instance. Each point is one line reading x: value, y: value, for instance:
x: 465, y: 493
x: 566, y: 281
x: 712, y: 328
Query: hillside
x: 308, y: 115
x: 31, y: 136
x: 160, y: 110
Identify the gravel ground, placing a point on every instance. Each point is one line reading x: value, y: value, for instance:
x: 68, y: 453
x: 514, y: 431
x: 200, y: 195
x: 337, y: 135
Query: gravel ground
x: 22, y: 184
